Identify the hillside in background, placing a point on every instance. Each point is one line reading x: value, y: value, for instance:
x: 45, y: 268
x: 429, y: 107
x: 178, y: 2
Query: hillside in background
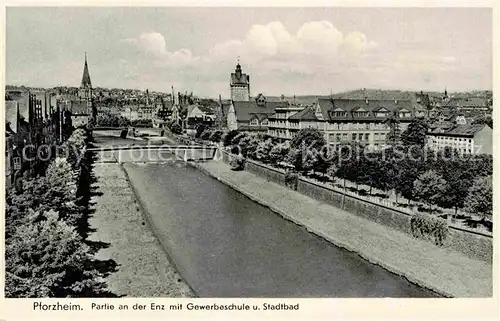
x: 379, y: 94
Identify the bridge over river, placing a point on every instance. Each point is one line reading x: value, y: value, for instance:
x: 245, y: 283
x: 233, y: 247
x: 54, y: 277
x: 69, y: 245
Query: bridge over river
x: 225, y: 245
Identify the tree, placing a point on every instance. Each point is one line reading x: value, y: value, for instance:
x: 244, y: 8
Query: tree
x: 229, y: 136
x: 480, y: 198
x: 216, y: 136
x: 415, y: 134
x: 110, y: 120
x: 326, y: 156
x: 308, y: 138
x: 74, y: 146
x: 372, y: 172
x: 263, y: 150
x: 248, y: 146
x: 56, y: 190
x: 349, y: 160
x: 206, y: 134
x: 459, y: 178
x: 481, y: 164
x: 278, y: 153
x: 429, y: 187
x: 199, y: 130
x: 302, y: 159
x: 237, y: 138
x: 332, y: 171
x: 47, y: 258
x: 176, y: 128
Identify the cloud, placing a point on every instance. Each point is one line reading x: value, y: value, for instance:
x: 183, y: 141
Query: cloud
x: 270, y: 52
x: 320, y: 39
x: 317, y: 58
x: 317, y: 41
x: 154, y: 43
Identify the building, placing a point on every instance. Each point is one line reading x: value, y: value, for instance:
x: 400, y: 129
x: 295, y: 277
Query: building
x: 239, y: 85
x: 200, y: 114
x: 471, y: 104
x: 110, y: 110
x: 221, y: 112
x: 146, y: 112
x: 346, y: 120
x: 282, y: 125
x: 163, y: 111
x: 461, y: 135
x: 251, y: 115
x: 31, y: 122
x: 130, y: 112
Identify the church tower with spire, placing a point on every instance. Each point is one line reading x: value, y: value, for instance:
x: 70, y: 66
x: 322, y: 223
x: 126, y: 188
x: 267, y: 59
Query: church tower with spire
x: 85, y: 91
x: 85, y: 105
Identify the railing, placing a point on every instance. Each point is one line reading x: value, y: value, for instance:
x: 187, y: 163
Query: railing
x: 151, y: 147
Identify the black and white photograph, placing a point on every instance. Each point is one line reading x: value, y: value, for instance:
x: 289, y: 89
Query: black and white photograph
x: 248, y: 152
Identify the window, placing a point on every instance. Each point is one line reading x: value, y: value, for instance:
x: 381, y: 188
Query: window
x: 381, y: 114
x: 344, y: 136
x: 367, y: 136
x: 254, y: 122
x: 340, y: 114
x: 360, y: 114
x: 338, y: 137
x: 17, y: 163
x: 354, y: 136
x: 264, y: 122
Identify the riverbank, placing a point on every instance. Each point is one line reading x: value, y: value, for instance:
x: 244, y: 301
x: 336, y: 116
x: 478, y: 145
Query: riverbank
x: 446, y: 272
x: 143, y: 268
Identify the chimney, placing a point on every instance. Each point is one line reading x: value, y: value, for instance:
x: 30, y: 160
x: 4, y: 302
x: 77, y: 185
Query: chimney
x: 395, y: 101
x: 366, y: 100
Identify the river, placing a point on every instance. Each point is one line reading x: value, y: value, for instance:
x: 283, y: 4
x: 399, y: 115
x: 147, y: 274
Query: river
x: 226, y: 245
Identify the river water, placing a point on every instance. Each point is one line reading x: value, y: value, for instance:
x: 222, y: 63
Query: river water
x: 225, y: 245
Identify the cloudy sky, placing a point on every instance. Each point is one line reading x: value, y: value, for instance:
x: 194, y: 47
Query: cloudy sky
x: 285, y: 50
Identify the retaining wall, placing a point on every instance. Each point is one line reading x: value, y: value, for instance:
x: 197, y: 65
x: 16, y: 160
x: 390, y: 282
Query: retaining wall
x: 473, y: 244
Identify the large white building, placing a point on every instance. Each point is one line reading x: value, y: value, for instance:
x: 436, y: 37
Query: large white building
x: 464, y: 137
x: 344, y: 120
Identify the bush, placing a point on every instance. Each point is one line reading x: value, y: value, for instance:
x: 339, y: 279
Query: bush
x: 278, y: 153
x: 74, y: 147
x: 237, y: 138
x: 237, y: 163
x: 48, y: 258
x: 480, y: 198
x: 263, y: 150
x: 248, y: 146
x: 429, y: 227
x: 56, y: 190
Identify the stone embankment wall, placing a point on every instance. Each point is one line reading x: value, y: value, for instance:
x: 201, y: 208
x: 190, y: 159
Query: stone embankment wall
x: 473, y: 244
